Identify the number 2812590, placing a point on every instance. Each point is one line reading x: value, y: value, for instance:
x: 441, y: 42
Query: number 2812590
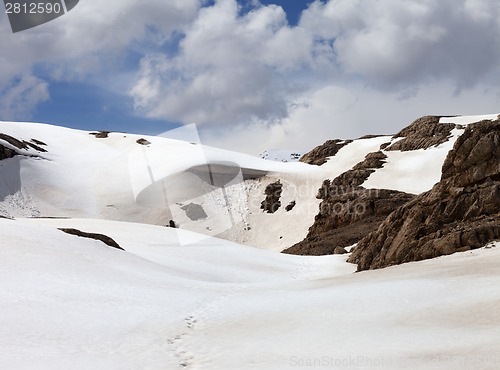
x: 33, y: 8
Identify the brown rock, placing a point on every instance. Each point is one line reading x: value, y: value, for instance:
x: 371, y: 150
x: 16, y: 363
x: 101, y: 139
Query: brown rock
x: 423, y: 133
x: 461, y: 212
x: 320, y: 154
x: 339, y: 250
x: 143, y: 141
x: 348, y: 211
x: 290, y: 206
x: 103, y: 238
x: 6, y: 153
x: 100, y: 134
x: 273, y: 194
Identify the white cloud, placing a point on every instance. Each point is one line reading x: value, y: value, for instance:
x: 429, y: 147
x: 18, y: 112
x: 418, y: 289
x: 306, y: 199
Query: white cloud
x: 236, y: 69
x: 252, y: 82
x: 231, y: 68
x: 21, y: 96
x: 89, y: 42
x: 347, y: 113
x: 393, y: 43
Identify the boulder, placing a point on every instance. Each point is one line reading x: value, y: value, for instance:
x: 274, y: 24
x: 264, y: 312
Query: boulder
x: 273, y: 194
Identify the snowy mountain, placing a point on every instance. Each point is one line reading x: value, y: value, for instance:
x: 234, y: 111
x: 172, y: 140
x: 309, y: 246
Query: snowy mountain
x: 117, y: 177
x: 180, y: 297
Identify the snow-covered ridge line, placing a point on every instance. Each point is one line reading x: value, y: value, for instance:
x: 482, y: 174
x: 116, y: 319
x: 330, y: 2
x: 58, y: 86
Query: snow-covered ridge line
x: 466, y: 120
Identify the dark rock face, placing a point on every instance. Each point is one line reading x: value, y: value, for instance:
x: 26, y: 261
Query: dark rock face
x: 100, y: 134
x: 346, y: 217
x: 142, y: 141
x: 461, y: 212
x: 13, y: 141
x: 290, y: 206
x: 423, y: 133
x: 349, y: 212
x: 360, y: 172
x: 273, y: 194
x: 36, y: 147
x: 319, y: 155
x: 38, y: 142
x: 475, y: 157
x: 103, y: 238
x: 22, y: 145
x: 339, y: 250
x: 6, y: 153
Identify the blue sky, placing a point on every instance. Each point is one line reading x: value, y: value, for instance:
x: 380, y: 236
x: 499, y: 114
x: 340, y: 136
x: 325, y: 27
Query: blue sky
x: 254, y: 75
x: 293, y: 8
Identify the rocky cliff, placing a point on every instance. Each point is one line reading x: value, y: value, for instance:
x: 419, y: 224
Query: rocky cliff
x: 348, y: 212
x: 460, y: 213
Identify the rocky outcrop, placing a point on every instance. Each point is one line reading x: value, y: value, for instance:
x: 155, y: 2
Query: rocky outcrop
x: 349, y: 212
x: 6, y: 153
x: 143, y: 141
x: 19, y: 144
x: 347, y: 217
x: 13, y: 141
x: 273, y: 194
x: 423, y: 133
x: 103, y: 238
x: 460, y: 213
x: 100, y: 134
x: 360, y: 172
x: 320, y: 154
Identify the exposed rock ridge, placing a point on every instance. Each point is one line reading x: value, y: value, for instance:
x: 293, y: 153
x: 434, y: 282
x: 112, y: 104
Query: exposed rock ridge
x: 460, y: 213
x: 320, y: 154
x: 423, y: 133
x: 273, y: 194
x: 6, y: 152
x: 103, y: 238
x: 348, y: 212
x: 100, y: 134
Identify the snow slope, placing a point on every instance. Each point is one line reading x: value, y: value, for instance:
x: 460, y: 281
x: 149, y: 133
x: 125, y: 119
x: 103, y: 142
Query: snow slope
x: 202, y: 189
x: 413, y: 171
x: 70, y: 302
x: 117, y: 178
x: 176, y: 299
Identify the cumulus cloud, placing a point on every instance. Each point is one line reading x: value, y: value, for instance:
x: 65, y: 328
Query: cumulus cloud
x: 90, y: 41
x: 251, y: 81
x: 393, y: 43
x: 230, y: 68
x: 21, y: 96
x: 350, y: 112
x: 238, y: 69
